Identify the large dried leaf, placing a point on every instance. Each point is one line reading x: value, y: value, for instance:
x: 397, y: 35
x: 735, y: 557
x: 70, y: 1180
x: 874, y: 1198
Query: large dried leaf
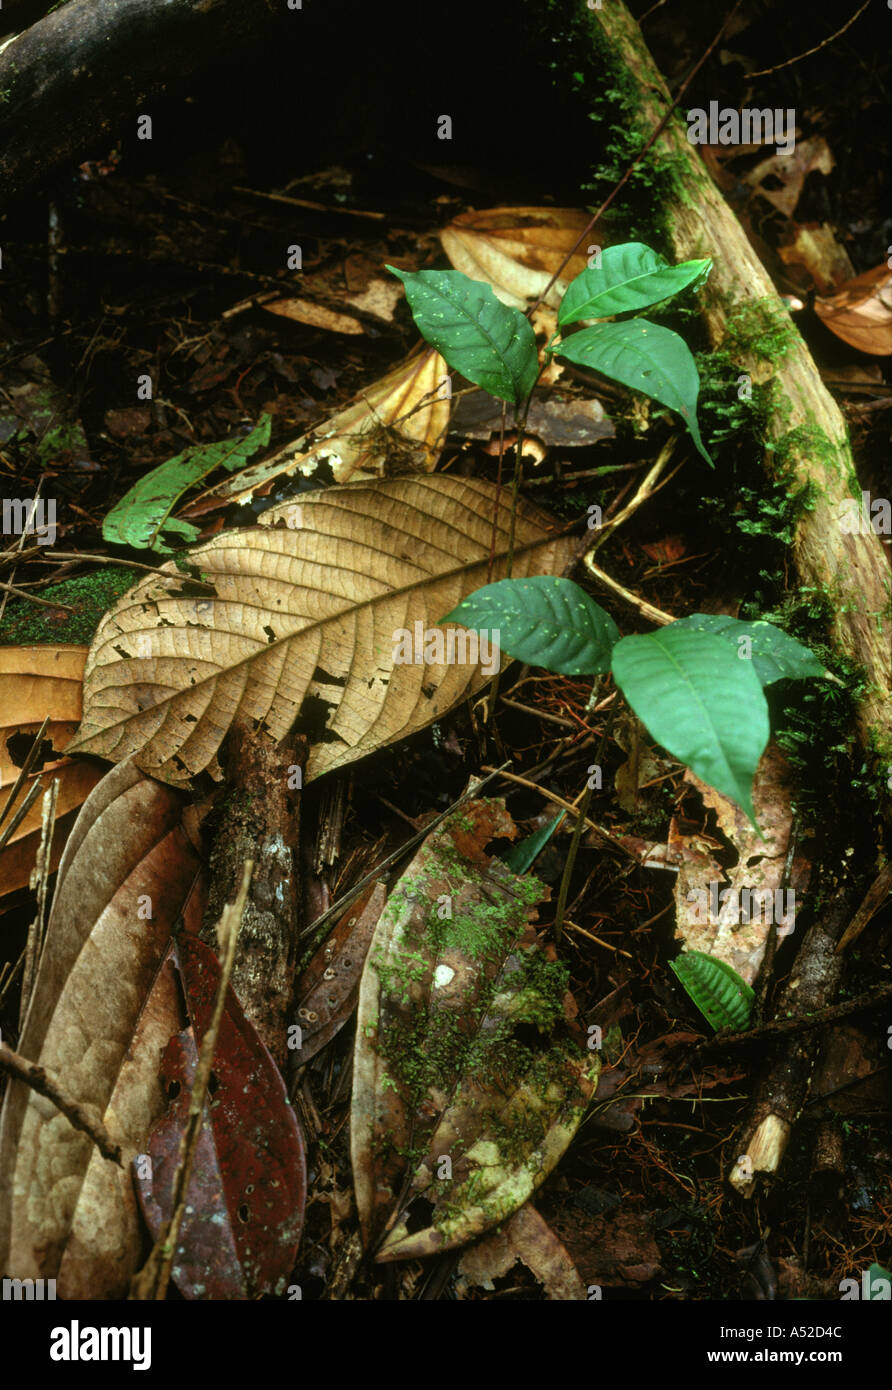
x: 396, y: 425
x: 306, y: 622
x: 468, y: 1080
x: 245, y: 1201
x: 38, y: 683
x: 517, y: 250
x: 127, y: 874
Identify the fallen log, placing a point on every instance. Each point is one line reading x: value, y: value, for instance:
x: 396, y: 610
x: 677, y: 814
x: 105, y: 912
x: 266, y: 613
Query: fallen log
x: 806, y: 439
x: 68, y: 82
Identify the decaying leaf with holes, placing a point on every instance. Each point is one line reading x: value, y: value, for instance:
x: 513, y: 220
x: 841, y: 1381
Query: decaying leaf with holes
x: 329, y: 986
x: 395, y: 425
x: 245, y: 1201
x: 127, y: 874
x: 469, y: 1073
x: 329, y: 629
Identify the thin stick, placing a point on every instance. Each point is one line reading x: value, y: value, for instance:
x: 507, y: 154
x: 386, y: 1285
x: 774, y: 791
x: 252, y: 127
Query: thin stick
x: 25, y: 769
x: 647, y: 610
x: 40, y: 876
x: 346, y: 899
x: 565, y: 805
x: 763, y: 72
x: 39, y: 1080
x: 32, y: 598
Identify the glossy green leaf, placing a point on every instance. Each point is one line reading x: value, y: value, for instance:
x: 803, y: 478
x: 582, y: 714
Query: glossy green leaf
x: 522, y: 856
x: 143, y: 513
x: 774, y: 653
x: 700, y: 702
x: 544, y: 621
x: 630, y: 278
x: 489, y: 343
x: 723, y: 998
x: 645, y: 357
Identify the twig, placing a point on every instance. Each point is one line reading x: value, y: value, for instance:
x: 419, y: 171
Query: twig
x: 565, y: 805
x: 25, y: 769
x: 39, y: 881
x: 647, y: 610
x: 39, y: 1080
x: 873, y: 900
x: 804, y: 1023
x: 306, y: 203
x: 788, y: 62
x: 32, y: 598
x: 346, y: 899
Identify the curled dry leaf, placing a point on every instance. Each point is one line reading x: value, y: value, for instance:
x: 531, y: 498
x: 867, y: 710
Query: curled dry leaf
x: 529, y: 1238
x: 395, y: 425
x: 791, y: 170
x: 245, y: 1201
x: 517, y: 250
x: 308, y: 625
x: 712, y: 903
x: 38, y: 683
x: 861, y: 312
x: 469, y: 1079
x: 127, y: 874
x: 328, y: 988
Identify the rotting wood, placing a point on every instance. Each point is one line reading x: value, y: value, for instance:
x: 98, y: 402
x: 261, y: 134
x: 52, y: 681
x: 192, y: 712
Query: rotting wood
x: 260, y: 820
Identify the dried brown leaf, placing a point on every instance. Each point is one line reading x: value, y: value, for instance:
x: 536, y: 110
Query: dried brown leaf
x: 127, y: 874
x: 517, y: 250
x: 38, y: 683
x: 305, y: 623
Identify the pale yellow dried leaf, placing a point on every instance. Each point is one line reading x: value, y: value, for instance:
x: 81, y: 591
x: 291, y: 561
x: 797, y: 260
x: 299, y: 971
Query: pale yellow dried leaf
x: 38, y: 683
x: 352, y: 442
x: 313, y: 611
x: 517, y: 250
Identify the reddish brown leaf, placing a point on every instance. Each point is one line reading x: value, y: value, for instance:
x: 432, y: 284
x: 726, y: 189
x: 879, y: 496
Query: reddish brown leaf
x: 245, y: 1201
x: 329, y: 987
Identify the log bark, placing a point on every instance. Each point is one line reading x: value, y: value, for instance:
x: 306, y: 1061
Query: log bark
x: 260, y: 820
x: 807, y: 441
x: 68, y: 82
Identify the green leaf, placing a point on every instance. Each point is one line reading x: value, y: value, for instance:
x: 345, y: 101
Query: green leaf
x: 774, y: 653
x: 543, y: 621
x: 723, y: 998
x: 143, y: 513
x: 645, y: 357
x: 489, y: 343
x: 521, y: 857
x: 629, y: 278
x: 700, y: 702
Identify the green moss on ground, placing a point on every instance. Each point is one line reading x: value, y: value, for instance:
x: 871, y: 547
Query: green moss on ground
x: 88, y: 597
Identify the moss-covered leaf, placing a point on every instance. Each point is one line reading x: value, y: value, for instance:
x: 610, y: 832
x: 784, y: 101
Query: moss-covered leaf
x: 470, y: 1077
